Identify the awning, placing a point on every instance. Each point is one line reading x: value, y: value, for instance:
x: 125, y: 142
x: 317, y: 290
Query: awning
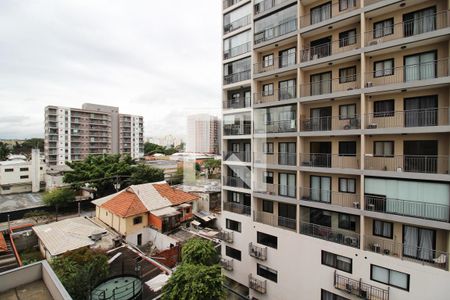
x: 156, y: 283
x: 184, y: 205
x: 204, y: 215
x: 165, y: 211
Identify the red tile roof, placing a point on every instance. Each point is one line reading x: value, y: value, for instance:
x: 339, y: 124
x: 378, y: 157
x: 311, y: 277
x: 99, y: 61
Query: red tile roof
x: 173, y: 195
x: 3, y: 247
x: 125, y: 204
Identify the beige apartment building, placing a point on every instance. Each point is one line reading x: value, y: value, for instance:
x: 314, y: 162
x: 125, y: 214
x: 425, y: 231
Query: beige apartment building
x: 203, y: 134
x: 336, y: 129
x: 71, y: 134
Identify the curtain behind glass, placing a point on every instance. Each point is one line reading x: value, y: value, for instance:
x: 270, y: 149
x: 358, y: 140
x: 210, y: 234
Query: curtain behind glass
x: 426, y: 244
x: 410, y: 241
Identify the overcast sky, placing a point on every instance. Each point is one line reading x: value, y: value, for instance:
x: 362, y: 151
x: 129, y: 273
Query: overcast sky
x: 160, y: 59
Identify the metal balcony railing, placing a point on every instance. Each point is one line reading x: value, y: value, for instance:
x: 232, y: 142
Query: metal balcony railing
x: 276, y: 95
x: 274, y: 220
x: 276, y: 189
x: 330, y: 197
x: 327, y: 160
x: 324, y: 87
x: 257, y: 251
x: 409, y: 118
x: 227, y: 264
x: 237, y: 208
x: 236, y: 77
x: 266, y: 5
x: 241, y: 156
x: 236, y: 129
x: 278, y: 62
x: 235, y: 25
x: 240, y: 102
x: 330, y: 123
x: 425, y: 256
x: 359, y: 288
x: 228, y: 3
x: 328, y: 49
x: 279, y: 126
x: 408, y: 28
x: 342, y: 237
x: 235, y: 182
x: 226, y: 236
x: 276, y: 31
x: 328, y: 12
x: 278, y: 158
x: 418, y: 209
x: 409, y: 73
x: 431, y: 164
x: 257, y: 285
x: 238, y: 50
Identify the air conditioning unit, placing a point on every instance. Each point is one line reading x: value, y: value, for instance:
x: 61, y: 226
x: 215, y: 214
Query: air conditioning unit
x: 369, y: 84
x: 356, y: 205
x: 372, y: 43
x: 370, y: 207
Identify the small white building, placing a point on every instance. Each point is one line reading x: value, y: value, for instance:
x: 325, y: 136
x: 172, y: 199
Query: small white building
x: 19, y: 175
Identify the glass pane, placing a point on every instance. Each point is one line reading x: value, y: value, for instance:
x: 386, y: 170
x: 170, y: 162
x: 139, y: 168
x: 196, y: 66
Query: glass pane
x: 399, y: 279
x: 380, y: 274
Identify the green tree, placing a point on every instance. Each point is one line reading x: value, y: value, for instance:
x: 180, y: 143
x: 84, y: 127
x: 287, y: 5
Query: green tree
x: 38, y: 216
x: 199, y: 251
x: 4, y: 151
x: 151, y: 148
x: 81, y: 270
x: 26, y: 146
x: 211, y: 165
x: 58, y: 198
x: 145, y: 174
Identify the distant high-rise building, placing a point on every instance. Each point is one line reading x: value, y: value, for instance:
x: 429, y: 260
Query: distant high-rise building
x: 202, y: 134
x: 72, y: 133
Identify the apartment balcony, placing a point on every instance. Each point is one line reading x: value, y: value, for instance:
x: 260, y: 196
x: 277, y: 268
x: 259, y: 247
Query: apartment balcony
x: 257, y: 251
x: 414, y: 75
x: 238, y: 50
x: 331, y: 86
x: 289, y: 191
x: 235, y: 182
x: 329, y: 123
x: 235, y: 25
x: 280, y: 158
x: 236, y: 77
x: 327, y: 13
x: 226, y: 263
x: 279, y: 64
x: 349, y: 200
x: 236, y: 103
x: 429, y: 164
x: 359, y: 288
x: 417, y: 209
x: 237, y: 208
x: 283, y: 126
x: 240, y: 156
x: 275, y: 32
x: 277, y: 95
x: 257, y: 285
x: 409, y: 118
x: 424, y: 256
x: 266, y: 5
x: 338, y: 236
x: 411, y: 28
x: 237, y: 129
x: 226, y: 236
x: 228, y: 3
x: 328, y: 160
x: 328, y: 49
x: 274, y: 220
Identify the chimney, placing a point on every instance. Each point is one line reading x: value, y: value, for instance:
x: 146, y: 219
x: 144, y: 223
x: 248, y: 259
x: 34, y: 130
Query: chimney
x: 35, y: 171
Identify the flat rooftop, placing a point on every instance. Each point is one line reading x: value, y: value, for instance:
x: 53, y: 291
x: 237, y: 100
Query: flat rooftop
x: 20, y: 201
x: 34, y: 290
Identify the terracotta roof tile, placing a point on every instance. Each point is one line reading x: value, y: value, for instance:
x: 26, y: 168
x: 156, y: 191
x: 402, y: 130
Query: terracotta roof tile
x: 3, y: 247
x: 175, y: 196
x: 125, y: 204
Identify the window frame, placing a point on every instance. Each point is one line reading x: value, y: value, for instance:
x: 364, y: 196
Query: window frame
x: 391, y: 236
x: 391, y: 20
x: 24, y: 177
x: 351, y: 78
x: 137, y: 220
x: 347, y: 179
x: 384, y: 114
x: 383, y: 61
x: 335, y: 265
x: 268, y: 270
x: 267, y: 206
x: 260, y: 240
x: 341, y: 224
x: 229, y: 222
x: 269, y: 91
x: 342, y: 38
x: 389, y: 275
x: 384, y: 142
x: 347, y: 143
x: 267, y: 146
x: 266, y: 175
x: 346, y: 106
x: 268, y: 60
x: 229, y: 252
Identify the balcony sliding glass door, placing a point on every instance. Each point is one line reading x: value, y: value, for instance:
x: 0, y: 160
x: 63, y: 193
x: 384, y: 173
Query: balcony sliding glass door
x: 421, y: 111
x: 320, y: 188
x: 420, y: 66
x: 419, y: 21
x: 287, y: 185
x: 418, y: 243
x: 321, y: 13
x: 320, y: 83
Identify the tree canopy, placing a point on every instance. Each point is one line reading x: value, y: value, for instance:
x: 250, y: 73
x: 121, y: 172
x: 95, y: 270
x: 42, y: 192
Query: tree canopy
x: 58, y: 197
x: 211, y: 165
x: 144, y: 174
x: 199, y: 251
x: 26, y: 146
x: 4, y: 151
x: 151, y: 148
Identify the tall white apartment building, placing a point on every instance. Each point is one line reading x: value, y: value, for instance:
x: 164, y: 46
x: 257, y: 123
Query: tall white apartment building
x: 71, y: 134
x: 336, y: 129
x: 203, y: 134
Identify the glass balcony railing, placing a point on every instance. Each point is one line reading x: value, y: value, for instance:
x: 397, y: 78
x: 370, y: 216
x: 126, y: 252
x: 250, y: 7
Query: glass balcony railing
x: 235, y: 25
x: 237, y: 208
x: 236, y: 77
x: 235, y: 182
x: 431, y: 164
x: 327, y: 160
x: 275, y: 32
x: 240, y: 156
x: 236, y: 51
x: 237, y: 129
x: 265, y: 5
x: 228, y: 3
x: 279, y: 158
x: 342, y: 237
x: 235, y: 103
x: 327, y: 12
x: 274, y: 220
x: 409, y: 118
x: 330, y: 197
x: 282, y: 94
x: 276, y: 189
x: 330, y: 123
x: 331, y: 48
x: 278, y: 127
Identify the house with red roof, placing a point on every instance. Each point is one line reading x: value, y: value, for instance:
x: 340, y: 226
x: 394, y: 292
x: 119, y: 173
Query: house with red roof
x: 158, y: 206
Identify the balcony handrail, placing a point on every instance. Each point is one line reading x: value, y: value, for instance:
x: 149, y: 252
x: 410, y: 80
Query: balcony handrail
x: 266, y: 5
x: 326, y: 49
x: 306, y: 88
x: 228, y: 3
x: 241, y: 22
x: 330, y: 160
x: 334, y: 197
x: 430, y: 164
x: 339, y: 236
x: 274, y: 158
x: 437, y: 116
x: 305, y: 20
x: 237, y: 208
x: 237, y: 129
x: 235, y: 182
x: 236, y: 77
x: 237, y: 50
x: 327, y: 123
x: 237, y: 103
x: 287, y: 93
x: 275, y: 220
x: 256, y: 284
x: 286, y: 27
x: 243, y: 156
x: 256, y: 251
x: 426, y: 256
x: 359, y: 288
x: 279, y: 126
x: 274, y: 189
x: 260, y: 68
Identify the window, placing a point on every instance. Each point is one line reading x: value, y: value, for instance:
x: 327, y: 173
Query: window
x: 287, y: 57
x: 384, y: 108
x: 320, y: 83
x: 268, y: 60
x: 383, y: 68
x: 384, y: 148
x: 287, y: 185
x: 233, y: 253
x: 346, y: 4
x: 268, y: 89
x: 383, y: 229
x: 420, y: 66
x: 137, y: 220
x: 347, y: 38
x: 267, y: 206
x: 337, y: 261
x: 268, y: 177
x: 9, y: 170
x: 347, y: 222
x: 347, y: 74
x: 326, y: 295
x: 389, y: 277
x: 268, y: 148
x: 321, y: 13
x: 347, y: 148
x: 383, y: 28
x: 24, y: 177
x: 267, y: 272
x: 267, y: 240
x: 6, y: 188
x: 233, y: 225
x: 347, y: 111
x: 347, y: 185
x: 420, y: 21
x: 23, y: 169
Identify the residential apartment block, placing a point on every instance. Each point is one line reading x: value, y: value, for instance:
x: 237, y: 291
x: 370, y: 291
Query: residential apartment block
x: 336, y: 139
x: 203, y: 134
x: 72, y: 133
